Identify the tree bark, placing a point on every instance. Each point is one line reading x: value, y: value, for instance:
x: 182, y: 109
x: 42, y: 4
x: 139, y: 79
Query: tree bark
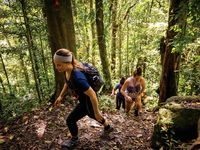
x: 86, y: 36
x: 3, y: 87
x: 162, y: 49
x: 92, y: 32
x: 25, y: 72
x: 170, y: 66
x: 6, y: 74
x: 101, y: 43
x: 120, y: 52
x: 127, y: 49
x: 114, y: 36
x: 61, y: 33
x: 1, y: 110
x: 44, y: 62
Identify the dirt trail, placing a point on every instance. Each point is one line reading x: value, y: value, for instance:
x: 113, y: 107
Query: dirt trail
x: 45, y: 129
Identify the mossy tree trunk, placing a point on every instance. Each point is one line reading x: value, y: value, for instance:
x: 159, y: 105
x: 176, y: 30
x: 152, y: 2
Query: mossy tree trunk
x: 102, y: 43
x: 114, y: 36
x: 61, y: 33
x: 170, y: 65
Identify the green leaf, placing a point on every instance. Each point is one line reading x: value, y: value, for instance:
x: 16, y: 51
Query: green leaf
x: 2, y: 141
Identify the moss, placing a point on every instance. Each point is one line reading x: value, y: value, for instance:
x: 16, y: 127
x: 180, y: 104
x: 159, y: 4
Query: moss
x: 165, y: 116
x: 183, y: 98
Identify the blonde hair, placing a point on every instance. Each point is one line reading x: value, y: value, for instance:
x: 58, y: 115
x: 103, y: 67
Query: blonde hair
x: 66, y: 52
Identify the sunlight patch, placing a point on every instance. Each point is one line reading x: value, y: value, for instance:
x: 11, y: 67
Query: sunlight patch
x: 40, y: 127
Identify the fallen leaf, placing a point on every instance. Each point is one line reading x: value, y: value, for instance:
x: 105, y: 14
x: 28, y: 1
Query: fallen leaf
x: 48, y: 142
x: 11, y: 137
x: 139, y: 135
x: 135, y: 141
x: 2, y: 141
x: 50, y: 108
x: 69, y: 134
x: 5, y: 129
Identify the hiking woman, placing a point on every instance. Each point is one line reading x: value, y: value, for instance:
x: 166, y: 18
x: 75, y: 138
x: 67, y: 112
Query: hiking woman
x: 88, y: 103
x: 132, y: 90
x: 120, y: 100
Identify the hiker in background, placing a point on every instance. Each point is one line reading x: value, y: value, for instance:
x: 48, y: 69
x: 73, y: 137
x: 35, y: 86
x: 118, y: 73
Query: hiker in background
x: 88, y: 103
x: 132, y: 90
x: 120, y: 100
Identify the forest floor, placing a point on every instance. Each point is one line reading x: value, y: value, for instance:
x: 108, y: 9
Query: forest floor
x: 45, y: 129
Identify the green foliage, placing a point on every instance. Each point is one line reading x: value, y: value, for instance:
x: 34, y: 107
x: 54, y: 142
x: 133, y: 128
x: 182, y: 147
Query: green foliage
x: 105, y: 103
x: 16, y: 106
x: 167, y: 136
x: 189, y: 82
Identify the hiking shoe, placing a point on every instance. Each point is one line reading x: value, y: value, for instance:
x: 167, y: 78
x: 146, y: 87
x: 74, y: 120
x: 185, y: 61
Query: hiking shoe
x: 136, y: 113
x: 108, y: 129
x: 71, y: 143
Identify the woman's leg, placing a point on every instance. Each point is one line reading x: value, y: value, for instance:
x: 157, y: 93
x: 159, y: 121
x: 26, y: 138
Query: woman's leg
x: 138, y: 105
x: 128, y: 106
x: 74, y: 116
x: 117, y: 102
x: 90, y: 113
x: 123, y: 103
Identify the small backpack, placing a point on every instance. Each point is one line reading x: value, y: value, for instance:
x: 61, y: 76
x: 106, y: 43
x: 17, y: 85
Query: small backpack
x: 94, y: 78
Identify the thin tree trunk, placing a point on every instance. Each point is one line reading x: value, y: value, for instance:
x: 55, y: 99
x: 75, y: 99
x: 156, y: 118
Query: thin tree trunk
x: 86, y: 36
x: 6, y: 74
x: 101, y: 43
x: 120, y: 52
x: 3, y: 87
x: 127, y: 49
x: 77, y: 30
x: 25, y: 72
x: 92, y: 32
x: 61, y: 33
x: 114, y: 36
x: 1, y: 110
x: 35, y: 67
x: 170, y: 66
x: 44, y: 62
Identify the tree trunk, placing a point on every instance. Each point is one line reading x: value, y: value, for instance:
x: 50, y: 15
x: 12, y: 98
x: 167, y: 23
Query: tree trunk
x: 92, y: 32
x: 61, y: 33
x: 101, y: 43
x: 170, y: 66
x: 120, y: 52
x: 6, y: 74
x: 114, y: 36
x: 44, y: 62
x: 162, y: 48
x: 127, y: 53
x: 25, y: 72
x: 1, y: 110
x: 32, y: 49
x: 3, y: 87
x: 86, y: 36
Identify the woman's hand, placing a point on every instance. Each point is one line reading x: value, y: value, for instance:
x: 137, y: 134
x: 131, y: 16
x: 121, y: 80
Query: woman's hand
x: 129, y: 99
x: 112, y: 95
x: 58, y: 100
x: 98, y: 116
